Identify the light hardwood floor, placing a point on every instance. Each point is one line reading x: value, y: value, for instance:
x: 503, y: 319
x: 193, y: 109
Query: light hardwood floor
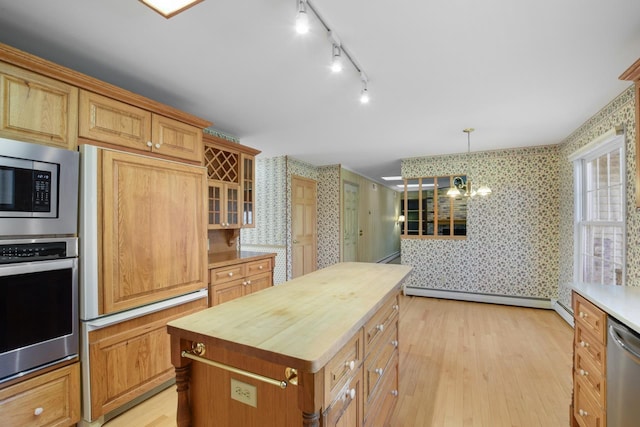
x: 462, y: 364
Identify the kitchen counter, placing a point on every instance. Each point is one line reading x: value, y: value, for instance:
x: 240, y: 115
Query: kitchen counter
x: 621, y: 302
x: 223, y: 259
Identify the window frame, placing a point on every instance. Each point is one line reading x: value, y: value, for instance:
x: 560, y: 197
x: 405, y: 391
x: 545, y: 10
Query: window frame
x: 608, y: 143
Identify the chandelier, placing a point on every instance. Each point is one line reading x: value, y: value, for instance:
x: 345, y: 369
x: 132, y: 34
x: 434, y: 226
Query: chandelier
x: 462, y: 184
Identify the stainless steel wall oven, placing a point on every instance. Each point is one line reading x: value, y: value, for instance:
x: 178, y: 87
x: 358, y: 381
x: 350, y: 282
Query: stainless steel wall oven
x: 38, y: 304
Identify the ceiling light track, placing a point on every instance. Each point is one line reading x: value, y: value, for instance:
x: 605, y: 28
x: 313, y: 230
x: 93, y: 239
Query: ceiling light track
x: 338, y: 49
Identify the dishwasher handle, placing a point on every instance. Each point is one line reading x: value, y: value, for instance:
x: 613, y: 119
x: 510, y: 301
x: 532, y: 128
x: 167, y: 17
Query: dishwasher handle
x: 619, y: 341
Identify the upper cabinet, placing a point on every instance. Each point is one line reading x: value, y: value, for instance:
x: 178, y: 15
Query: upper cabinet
x: 633, y: 74
x: 37, y: 109
x: 107, y: 120
x: 231, y: 175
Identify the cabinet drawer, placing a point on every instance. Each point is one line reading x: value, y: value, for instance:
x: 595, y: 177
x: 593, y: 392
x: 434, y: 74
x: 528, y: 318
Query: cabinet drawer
x: 592, y: 346
x: 381, y: 321
x: 591, y: 317
x: 342, y: 367
x: 378, y: 362
x: 585, y: 409
x: 385, y: 397
x: 588, y: 370
x: 51, y: 399
x: 226, y: 274
x: 346, y: 409
x: 260, y: 266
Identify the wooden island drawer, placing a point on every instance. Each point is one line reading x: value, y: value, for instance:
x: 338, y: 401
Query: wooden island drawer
x: 378, y: 362
x: 226, y: 274
x: 51, y: 399
x: 342, y: 367
x: 590, y: 317
x: 379, y: 407
x: 381, y: 321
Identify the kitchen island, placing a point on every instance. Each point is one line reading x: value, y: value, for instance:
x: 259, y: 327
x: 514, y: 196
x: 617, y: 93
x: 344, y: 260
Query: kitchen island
x: 318, y: 350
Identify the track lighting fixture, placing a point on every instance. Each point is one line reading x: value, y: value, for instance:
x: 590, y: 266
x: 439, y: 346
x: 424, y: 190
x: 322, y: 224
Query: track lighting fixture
x: 364, y: 95
x: 302, y: 19
x: 336, y: 59
x: 338, y: 50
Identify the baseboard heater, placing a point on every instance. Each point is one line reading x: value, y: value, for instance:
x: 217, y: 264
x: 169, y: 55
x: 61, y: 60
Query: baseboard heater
x: 532, y: 302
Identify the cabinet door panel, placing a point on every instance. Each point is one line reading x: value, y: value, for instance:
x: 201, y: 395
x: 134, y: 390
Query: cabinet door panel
x: 153, y: 220
x: 258, y: 282
x: 226, y: 292
x: 37, y: 109
x: 176, y: 139
x: 107, y: 120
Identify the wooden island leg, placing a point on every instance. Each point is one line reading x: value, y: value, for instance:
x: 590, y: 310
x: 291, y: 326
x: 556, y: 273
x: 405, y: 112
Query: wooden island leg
x: 183, y: 417
x: 310, y: 420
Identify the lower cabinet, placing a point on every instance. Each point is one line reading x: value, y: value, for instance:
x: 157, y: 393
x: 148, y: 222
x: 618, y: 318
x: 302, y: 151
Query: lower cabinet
x: 239, y: 279
x: 131, y: 358
x: 51, y: 399
x: 346, y: 409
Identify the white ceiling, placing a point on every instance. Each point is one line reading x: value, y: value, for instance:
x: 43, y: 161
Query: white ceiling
x: 521, y: 72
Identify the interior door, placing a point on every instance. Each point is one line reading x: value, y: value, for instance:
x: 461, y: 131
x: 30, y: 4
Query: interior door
x: 350, y: 239
x: 304, y: 234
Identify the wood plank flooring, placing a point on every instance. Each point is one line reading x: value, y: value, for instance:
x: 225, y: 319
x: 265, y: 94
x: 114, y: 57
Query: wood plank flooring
x: 462, y: 364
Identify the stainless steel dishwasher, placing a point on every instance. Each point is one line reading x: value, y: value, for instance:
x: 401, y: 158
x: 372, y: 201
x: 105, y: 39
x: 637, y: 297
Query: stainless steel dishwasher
x: 623, y: 375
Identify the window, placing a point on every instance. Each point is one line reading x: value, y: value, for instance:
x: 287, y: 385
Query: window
x: 600, y: 211
x: 430, y: 212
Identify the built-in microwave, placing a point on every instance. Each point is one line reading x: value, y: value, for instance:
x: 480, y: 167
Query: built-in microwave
x: 38, y: 189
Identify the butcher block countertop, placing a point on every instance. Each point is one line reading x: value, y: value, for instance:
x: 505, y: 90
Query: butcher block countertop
x: 301, y: 323
x: 223, y: 259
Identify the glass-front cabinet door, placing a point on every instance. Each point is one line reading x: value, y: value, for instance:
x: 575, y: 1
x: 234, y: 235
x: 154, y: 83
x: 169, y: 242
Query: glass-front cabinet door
x: 248, y: 191
x: 223, y: 205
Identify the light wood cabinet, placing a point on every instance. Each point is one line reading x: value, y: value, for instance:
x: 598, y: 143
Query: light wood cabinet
x: 35, y: 108
x: 633, y: 74
x: 346, y: 410
x: 131, y: 358
x: 153, y: 230
x: 233, y: 281
x: 107, y: 120
x: 51, y: 399
x: 589, y: 364
x: 231, y: 173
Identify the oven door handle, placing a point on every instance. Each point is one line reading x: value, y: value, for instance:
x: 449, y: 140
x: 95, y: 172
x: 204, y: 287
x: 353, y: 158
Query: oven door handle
x: 37, y: 266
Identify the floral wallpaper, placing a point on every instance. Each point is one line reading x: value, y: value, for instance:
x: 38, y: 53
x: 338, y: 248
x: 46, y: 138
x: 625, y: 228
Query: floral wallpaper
x: 329, y: 190
x: 512, y: 235
x: 620, y: 111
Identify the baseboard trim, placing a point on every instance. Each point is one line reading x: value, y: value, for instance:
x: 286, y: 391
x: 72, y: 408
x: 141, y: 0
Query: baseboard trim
x: 476, y: 297
x: 564, y: 312
x: 389, y: 258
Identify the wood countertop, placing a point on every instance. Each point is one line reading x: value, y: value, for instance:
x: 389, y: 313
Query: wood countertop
x: 223, y: 259
x: 301, y: 323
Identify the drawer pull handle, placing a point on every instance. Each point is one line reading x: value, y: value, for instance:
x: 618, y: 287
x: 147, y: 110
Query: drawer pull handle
x: 351, y: 394
x: 379, y: 371
x: 260, y: 267
x: 149, y: 144
x: 230, y: 273
x: 583, y: 413
x: 350, y: 364
x: 248, y: 282
x: 583, y: 315
x: 584, y: 344
x: 38, y: 411
x: 394, y: 343
x: 380, y: 327
x: 394, y: 392
x: 584, y: 373
x: 157, y: 145
x: 396, y: 307
x: 244, y: 283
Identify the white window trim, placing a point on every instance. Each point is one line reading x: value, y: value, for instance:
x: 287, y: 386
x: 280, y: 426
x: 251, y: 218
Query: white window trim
x: 609, y: 141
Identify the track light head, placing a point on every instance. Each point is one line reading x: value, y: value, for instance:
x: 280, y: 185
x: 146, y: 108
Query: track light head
x: 302, y: 19
x: 364, y: 96
x: 336, y: 59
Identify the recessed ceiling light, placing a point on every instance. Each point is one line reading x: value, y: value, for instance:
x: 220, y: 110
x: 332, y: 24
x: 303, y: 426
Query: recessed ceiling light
x: 169, y: 8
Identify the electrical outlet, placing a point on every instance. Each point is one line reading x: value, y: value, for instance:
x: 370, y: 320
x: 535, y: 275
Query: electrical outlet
x: 244, y: 393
